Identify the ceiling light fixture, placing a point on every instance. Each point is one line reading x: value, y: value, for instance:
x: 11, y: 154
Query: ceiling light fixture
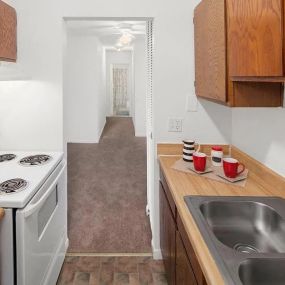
x: 126, y: 39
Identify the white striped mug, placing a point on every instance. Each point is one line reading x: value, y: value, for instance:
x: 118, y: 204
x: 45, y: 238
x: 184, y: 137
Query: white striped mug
x: 189, y: 149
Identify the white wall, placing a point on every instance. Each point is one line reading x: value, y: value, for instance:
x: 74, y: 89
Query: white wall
x: 118, y: 57
x: 31, y: 111
x: 84, y: 100
x: 260, y: 132
x: 140, y: 82
x: 40, y: 51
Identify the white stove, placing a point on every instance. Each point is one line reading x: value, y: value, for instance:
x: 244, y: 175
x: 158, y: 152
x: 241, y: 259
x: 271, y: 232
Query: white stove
x: 33, y: 232
x: 34, y: 175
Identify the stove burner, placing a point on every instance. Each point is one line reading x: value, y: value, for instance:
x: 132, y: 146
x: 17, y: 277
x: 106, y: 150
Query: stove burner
x: 13, y: 186
x: 34, y: 160
x: 7, y: 157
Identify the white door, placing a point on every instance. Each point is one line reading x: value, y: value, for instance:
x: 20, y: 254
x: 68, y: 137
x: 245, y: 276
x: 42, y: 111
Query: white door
x: 41, y: 232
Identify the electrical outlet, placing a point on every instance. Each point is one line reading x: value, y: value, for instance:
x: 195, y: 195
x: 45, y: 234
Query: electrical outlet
x: 175, y: 125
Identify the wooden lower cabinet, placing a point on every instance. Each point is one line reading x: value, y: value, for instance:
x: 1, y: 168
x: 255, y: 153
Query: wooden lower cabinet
x: 180, y: 261
x: 167, y: 237
x: 183, y: 268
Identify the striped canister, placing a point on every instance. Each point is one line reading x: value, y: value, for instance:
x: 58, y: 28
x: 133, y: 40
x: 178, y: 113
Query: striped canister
x: 188, y: 150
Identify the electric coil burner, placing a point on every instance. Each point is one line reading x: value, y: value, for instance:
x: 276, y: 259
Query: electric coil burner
x: 35, y: 160
x: 7, y: 157
x: 13, y: 186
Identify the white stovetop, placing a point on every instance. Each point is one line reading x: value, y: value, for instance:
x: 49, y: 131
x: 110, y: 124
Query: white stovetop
x: 34, y: 175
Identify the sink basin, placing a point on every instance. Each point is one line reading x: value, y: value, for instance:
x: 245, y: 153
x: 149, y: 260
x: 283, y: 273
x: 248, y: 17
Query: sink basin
x: 261, y: 271
x: 246, y: 226
x: 245, y: 235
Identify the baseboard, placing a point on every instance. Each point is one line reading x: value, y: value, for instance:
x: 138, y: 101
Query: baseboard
x: 147, y: 254
x: 82, y: 141
x: 101, y: 132
x: 156, y: 252
x: 140, y: 135
x: 66, y: 244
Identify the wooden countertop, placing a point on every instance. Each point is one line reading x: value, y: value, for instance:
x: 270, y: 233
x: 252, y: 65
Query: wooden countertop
x: 261, y: 182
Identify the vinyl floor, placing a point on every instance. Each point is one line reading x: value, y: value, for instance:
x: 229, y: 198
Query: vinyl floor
x: 111, y: 270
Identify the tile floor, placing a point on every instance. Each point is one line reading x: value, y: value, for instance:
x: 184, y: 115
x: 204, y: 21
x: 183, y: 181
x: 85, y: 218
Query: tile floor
x: 133, y: 270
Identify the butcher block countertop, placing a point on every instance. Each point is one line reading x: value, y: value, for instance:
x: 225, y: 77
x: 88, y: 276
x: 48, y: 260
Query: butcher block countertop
x: 261, y: 182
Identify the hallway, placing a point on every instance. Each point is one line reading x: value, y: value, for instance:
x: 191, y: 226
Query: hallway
x: 107, y: 192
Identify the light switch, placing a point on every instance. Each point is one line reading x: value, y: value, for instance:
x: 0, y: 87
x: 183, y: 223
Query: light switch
x: 191, y: 103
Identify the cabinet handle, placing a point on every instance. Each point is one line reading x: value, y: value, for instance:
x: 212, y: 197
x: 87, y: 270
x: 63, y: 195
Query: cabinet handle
x: 2, y: 213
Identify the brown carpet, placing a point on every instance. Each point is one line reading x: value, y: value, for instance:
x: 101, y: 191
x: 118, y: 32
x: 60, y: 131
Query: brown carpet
x: 107, y: 192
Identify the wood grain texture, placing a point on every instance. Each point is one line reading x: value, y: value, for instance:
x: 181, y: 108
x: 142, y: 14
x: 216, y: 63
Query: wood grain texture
x: 258, y: 79
x: 8, y: 33
x: 261, y: 182
x: 257, y: 94
x: 168, y: 197
x: 199, y: 276
x: 210, y: 50
x: 184, y: 272
x: 2, y: 213
x: 176, y: 149
x: 270, y: 179
x: 255, y: 37
x: 167, y: 236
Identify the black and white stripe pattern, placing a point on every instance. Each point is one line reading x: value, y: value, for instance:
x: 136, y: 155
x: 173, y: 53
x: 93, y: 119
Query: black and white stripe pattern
x: 188, y: 150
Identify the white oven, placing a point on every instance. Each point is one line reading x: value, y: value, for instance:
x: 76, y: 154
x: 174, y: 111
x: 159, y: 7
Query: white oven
x: 41, y: 232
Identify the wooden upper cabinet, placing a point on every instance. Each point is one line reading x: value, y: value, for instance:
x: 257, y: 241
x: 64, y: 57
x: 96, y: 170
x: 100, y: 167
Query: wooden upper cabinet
x: 210, y: 50
x: 8, y: 33
x: 255, y: 37
x: 239, y: 47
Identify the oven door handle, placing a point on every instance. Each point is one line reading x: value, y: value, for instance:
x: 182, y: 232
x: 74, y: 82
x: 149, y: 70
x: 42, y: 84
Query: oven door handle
x: 30, y: 209
x: 2, y: 213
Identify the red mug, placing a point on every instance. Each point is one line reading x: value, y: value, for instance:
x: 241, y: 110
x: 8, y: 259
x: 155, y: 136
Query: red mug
x: 199, y: 160
x: 231, y: 167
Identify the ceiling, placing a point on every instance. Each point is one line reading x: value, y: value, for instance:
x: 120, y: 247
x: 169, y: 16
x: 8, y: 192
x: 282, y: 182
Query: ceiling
x: 108, y: 31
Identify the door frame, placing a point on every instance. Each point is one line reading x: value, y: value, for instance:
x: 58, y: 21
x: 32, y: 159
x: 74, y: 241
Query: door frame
x: 151, y: 208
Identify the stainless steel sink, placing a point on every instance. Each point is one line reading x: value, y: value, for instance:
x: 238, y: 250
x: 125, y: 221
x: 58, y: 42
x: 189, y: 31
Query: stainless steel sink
x: 244, y: 234
x: 259, y: 271
x: 247, y: 226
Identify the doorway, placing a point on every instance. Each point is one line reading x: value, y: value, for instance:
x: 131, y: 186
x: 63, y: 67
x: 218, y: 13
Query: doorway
x: 89, y: 174
x: 120, y: 90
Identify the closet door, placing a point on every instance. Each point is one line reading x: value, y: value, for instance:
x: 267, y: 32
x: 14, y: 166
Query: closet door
x: 8, y: 33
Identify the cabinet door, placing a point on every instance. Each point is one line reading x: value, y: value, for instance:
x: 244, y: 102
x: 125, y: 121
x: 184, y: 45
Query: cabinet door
x: 8, y: 33
x: 210, y: 50
x: 167, y: 237
x: 255, y: 37
x: 184, y: 272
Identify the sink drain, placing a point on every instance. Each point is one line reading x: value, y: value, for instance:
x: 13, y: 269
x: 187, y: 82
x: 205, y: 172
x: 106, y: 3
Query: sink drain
x: 245, y: 248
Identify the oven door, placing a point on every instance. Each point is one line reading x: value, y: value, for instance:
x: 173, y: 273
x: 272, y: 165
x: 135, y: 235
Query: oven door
x: 41, y: 232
